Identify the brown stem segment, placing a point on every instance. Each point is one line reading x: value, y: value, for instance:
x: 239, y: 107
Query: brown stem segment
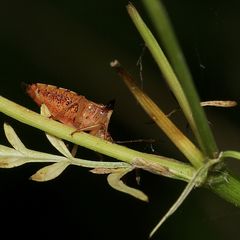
x: 191, y: 152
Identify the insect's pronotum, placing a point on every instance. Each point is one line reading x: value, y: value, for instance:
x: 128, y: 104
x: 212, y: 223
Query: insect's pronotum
x: 72, y: 109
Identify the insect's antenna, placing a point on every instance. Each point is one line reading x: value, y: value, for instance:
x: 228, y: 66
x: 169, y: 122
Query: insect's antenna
x: 110, y: 104
x: 136, y: 141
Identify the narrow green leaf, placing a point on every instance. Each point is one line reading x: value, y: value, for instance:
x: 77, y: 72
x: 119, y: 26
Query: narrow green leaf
x: 231, y: 154
x: 114, y: 180
x: 197, y: 180
x: 165, y: 33
x: 182, y: 88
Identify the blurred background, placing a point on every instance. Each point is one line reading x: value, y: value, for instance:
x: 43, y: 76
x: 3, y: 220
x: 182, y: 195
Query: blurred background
x: 70, y: 44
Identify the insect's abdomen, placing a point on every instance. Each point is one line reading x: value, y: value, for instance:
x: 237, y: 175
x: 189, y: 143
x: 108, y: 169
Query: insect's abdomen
x: 57, y: 100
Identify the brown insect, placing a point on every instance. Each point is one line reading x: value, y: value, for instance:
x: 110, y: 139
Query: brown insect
x: 72, y: 109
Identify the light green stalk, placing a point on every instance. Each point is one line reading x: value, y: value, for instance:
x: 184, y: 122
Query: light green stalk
x: 172, y: 168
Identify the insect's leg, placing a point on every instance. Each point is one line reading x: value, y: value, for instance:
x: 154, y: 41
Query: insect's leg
x: 74, y: 150
x: 98, y: 130
x: 102, y: 132
x: 91, y: 129
x: 79, y: 125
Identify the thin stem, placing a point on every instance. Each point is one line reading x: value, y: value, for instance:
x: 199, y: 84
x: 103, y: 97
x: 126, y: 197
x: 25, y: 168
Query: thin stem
x: 231, y: 154
x: 32, y: 156
x: 35, y: 156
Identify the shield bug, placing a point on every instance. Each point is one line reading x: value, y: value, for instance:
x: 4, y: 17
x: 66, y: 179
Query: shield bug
x: 72, y: 109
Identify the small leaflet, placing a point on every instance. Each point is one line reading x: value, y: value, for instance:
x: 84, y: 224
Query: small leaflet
x: 10, y: 162
x: 13, y: 138
x: 56, y: 142
x: 50, y: 172
x: 114, y: 180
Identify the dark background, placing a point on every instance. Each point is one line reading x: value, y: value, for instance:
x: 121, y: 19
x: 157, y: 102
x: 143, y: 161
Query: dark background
x: 70, y: 44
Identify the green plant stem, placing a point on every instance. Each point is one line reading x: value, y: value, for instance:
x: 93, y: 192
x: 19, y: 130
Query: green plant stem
x: 228, y: 187
x: 182, y: 84
x: 154, y: 163
x: 161, y: 61
x: 231, y: 154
